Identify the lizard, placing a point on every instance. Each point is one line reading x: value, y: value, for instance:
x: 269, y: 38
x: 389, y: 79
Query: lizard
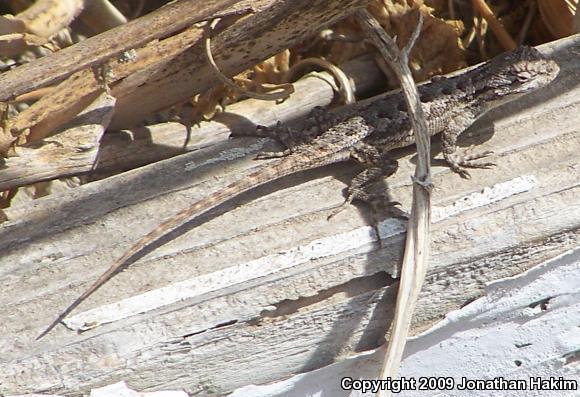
x: 366, y: 132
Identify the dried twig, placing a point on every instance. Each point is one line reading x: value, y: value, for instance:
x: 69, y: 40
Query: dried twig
x: 36, y: 25
x: 284, y: 89
x: 101, y: 15
x: 96, y: 50
x: 79, y: 89
x: 496, y: 26
x: 170, y: 66
x: 417, y: 244
x: 345, y: 86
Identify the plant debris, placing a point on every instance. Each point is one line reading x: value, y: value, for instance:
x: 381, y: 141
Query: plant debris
x: 454, y: 35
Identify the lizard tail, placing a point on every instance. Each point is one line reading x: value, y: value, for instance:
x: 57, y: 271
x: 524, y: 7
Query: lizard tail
x: 269, y: 172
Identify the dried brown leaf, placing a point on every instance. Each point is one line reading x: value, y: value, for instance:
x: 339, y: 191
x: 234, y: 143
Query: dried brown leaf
x: 6, y: 142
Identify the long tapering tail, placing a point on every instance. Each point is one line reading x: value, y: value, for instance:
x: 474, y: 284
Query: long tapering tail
x: 269, y: 172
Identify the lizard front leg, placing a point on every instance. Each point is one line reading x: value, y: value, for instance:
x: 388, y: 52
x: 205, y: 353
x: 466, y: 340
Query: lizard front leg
x: 291, y: 138
x: 459, y: 162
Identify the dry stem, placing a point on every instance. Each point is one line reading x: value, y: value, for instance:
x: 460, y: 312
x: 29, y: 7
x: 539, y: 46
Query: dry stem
x: 502, y: 35
x: 417, y: 244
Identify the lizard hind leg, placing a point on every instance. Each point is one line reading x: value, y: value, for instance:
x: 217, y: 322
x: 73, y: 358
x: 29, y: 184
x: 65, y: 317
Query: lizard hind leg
x: 287, y: 136
x: 317, y: 122
x: 284, y: 135
x: 378, y: 165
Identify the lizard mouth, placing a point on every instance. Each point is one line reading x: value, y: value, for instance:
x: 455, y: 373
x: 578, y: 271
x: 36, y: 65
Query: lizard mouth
x: 540, y: 73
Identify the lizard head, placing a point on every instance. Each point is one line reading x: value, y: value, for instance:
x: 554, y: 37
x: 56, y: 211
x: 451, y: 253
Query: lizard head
x: 517, y: 73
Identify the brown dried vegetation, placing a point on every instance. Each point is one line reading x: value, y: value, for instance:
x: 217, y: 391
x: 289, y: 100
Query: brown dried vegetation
x: 56, y: 105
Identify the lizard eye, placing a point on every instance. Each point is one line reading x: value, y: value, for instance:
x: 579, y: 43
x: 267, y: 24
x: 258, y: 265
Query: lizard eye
x: 523, y: 76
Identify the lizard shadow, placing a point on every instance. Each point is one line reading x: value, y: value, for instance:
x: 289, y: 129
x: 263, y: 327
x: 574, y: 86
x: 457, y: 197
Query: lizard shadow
x: 240, y: 200
x: 380, y: 301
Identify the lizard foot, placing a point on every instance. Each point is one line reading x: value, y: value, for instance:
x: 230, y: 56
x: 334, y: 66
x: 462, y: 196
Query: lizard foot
x: 382, y: 208
x: 380, y: 205
x: 339, y: 209
x: 459, y: 163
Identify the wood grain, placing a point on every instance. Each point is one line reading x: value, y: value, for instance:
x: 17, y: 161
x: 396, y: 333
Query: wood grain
x: 305, y: 313
x: 128, y: 149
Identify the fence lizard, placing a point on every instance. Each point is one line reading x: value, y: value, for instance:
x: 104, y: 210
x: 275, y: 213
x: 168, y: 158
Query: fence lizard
x: 367, y: 131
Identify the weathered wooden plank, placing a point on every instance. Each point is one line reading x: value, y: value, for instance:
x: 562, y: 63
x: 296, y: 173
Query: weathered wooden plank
x: 128, y: 149
x: 286, y: 290
x: 98, y: 49
x: 73, y: 151
x: 524, y: 329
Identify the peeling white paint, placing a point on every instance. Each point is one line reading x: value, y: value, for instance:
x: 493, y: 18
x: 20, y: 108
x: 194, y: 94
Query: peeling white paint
x: 121, y: 389
x: 496, y: 336
x: 488, y: 195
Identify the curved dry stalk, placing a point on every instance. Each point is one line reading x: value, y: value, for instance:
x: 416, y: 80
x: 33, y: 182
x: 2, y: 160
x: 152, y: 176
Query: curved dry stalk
x: 416, y: 254
x: 345, y: 86
x: 285, y: 89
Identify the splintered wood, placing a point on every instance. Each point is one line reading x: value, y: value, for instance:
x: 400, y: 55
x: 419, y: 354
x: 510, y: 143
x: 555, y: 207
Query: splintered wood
x: 168, y: 70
